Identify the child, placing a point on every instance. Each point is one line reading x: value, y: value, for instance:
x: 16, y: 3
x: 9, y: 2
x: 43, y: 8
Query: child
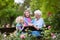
x: 20, y: 23
x: 20, y: 26
x: 27, y: 18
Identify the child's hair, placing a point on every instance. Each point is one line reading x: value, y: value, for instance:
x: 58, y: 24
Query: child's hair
x: 25, y: 13
x: 18, y: 19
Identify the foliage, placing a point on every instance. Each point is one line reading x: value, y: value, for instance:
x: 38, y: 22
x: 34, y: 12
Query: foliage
x: 8, y: 11
x: 45, y: 6
x: 55, y: 21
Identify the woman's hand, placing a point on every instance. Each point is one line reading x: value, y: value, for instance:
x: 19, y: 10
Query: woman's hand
x: 30, y: 24
x: 36, y: 28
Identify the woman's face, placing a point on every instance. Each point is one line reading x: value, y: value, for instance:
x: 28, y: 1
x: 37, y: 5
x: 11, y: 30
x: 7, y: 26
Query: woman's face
x: 27, y: 14
x: 37, y: 16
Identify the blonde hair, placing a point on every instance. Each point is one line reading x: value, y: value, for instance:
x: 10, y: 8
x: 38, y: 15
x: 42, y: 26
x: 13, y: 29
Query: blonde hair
x: 18, y: 19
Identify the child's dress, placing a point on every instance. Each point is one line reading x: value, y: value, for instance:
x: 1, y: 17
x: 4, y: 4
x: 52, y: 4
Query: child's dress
x: 19, y: 27
x: 26, y: 21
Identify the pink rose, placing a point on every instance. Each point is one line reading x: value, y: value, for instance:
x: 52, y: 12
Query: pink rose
x: 49, y: 27
x: 22, y: 36
x: 53, y: 35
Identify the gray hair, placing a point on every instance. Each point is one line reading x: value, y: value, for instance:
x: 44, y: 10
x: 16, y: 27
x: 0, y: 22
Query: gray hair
x: 38, y: 12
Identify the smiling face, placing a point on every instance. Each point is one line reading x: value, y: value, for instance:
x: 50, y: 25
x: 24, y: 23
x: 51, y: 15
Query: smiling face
x: 37, y: 16
x: 26, y: 13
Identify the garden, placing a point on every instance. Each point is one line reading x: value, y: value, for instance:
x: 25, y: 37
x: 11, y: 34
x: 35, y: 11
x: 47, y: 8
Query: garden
x: 10, y: 9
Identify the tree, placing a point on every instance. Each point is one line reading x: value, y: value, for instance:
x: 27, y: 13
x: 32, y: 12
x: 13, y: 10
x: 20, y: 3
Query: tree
x: 8, y: 11
x: 45, y: 6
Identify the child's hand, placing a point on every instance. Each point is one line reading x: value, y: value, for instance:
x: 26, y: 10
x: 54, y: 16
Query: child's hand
x: 24, y: 25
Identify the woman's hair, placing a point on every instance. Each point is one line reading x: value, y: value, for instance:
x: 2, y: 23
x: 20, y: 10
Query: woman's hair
x: 38, y: 12
x: 18, y: 19
x: 25, y: 13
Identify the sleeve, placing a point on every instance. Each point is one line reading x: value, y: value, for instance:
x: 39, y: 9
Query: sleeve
x: 42, y: 23
x: 18, y: 26
x: 25, y: 21
x: 32, y: 21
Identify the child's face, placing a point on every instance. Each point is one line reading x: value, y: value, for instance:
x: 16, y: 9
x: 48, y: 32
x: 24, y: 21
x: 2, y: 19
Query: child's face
x: 27, y: 14
x: 21, y: 20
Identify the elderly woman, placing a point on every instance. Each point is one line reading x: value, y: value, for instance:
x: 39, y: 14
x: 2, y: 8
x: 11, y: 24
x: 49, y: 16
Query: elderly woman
x: 38, y: 23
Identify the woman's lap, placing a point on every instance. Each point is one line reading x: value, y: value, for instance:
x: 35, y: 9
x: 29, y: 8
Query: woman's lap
x: 36, y: 33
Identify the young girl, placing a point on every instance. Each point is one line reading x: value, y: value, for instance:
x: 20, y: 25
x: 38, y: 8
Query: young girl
x: 20, y: 26
x: 27, y: 18
x: 20, y: 22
